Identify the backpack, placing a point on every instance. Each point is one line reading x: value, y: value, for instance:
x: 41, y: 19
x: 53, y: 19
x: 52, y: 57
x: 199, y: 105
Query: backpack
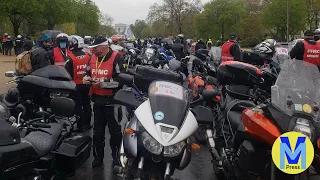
x: 23, y: 64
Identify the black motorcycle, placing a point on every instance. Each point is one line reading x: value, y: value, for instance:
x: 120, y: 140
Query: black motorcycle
x: 42, y: 149
x: 39, y: 88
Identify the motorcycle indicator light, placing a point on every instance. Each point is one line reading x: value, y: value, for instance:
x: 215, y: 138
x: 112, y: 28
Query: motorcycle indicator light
x: 129, y: 131
x: 195, y: 147
x: 318, y: 143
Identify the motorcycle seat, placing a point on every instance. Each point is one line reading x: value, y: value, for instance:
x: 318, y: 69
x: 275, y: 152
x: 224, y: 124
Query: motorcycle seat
x: 234, y: 112
x: 43, y: 142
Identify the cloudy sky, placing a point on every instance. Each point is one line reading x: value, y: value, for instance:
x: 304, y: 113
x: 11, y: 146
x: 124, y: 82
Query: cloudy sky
x: 127, y: 11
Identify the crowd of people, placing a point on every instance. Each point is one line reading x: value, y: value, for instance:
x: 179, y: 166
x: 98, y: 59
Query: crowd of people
x: 18, y: 44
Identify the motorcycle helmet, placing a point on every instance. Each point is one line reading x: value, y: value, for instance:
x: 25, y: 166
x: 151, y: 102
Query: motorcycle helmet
x: 76, y: 42
x: 115, y: 39
x: 180, y: 36
x: 12, y: 98
x: 19, y: 36
x: 6, y: 34
x: 202, y: 54
x: 62, y: 40
x: 316, y: 34
x: 133, y: 53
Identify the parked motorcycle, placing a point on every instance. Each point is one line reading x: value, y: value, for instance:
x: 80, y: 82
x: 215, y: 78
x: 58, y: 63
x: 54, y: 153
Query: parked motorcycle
x: 154, y: 149
x: 42, y: 149
x: 242, y: 139
x: 39, y: 88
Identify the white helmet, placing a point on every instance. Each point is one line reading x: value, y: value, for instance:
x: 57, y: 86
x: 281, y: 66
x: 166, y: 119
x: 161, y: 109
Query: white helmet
x: 19, y: 36
x: 180, y: 35
x: 9, y: 37
x: 6, y: 34
x: 76, y: 42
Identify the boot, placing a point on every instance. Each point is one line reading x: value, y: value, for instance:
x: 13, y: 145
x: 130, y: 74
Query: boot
x: 98, y: 154
x: 115, y: 156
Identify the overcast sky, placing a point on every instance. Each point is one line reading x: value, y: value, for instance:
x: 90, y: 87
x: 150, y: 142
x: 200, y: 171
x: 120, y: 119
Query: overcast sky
x: 127, y: 11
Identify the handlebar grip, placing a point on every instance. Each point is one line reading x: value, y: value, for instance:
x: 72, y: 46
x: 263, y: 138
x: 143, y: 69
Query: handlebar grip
x: 41, y: 125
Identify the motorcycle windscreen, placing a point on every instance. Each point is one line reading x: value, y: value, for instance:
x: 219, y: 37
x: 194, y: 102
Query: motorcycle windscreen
x: 169, y: 103
x: 297, y: 88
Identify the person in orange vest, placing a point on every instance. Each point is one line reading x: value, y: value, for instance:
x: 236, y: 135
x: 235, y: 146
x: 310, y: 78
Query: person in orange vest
x: 230, y: 50
x: 104, y: 67
x: 3, y: 42
x: 307, y: 49
x: 58, y: 56
x: 76, y: 65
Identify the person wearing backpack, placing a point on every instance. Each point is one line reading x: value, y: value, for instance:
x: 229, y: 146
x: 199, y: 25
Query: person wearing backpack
x: 39, y: 58
x: 76, y: 65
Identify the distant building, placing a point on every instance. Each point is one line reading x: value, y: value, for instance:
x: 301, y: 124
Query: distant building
x: 120, y: 28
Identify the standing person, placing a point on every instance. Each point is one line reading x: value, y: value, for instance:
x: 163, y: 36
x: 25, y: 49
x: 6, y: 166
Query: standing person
x: 200, y: 45
x: 178, y: 49
x: 104, y: 66
x: 76, y: 65
x: 209, y: 44
x: 9, y: 46
x: 307, y: 49
x: 39, y: 58
x: 230, y: 49
x: 18, y: 45
x: 27, y: 43
x: 3, y: 43
x: 58, y: 56
x: 316, y: 34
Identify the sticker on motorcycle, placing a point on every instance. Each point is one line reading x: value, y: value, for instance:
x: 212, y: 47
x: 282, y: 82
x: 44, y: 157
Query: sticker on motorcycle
x: 169, y: 89
x: 153, y: 90
x: 307, y: 108
x: 158, y: 116
x: 298, y: 107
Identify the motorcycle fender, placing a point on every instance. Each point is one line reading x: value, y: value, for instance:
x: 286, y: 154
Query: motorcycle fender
x: 130, y: 141
x: 186, y: 157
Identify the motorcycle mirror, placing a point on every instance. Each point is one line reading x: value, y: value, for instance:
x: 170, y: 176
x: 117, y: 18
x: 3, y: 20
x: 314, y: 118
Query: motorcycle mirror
x: 209, y: 94
x: 9, y: 73
x: 62, y: 106
x: 127, y: 79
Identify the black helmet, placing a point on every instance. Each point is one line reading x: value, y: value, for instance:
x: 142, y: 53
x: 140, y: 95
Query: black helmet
x: 12, y: 98
x: 62, y: 40
x: 202, y: 54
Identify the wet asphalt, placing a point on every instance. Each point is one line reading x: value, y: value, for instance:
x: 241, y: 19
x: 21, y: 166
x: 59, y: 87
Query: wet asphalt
x: 200, y: 167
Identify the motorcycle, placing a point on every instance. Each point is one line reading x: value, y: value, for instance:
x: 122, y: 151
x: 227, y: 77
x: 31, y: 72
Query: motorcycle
x: 241, y: 141
x: 39, y: 88
x: 43, y: 149
x: 154, y: 149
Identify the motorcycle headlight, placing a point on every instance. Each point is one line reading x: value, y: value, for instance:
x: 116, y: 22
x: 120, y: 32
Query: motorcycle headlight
x: 174, y: 150
x: 303, y: 126
x: 151, y: 144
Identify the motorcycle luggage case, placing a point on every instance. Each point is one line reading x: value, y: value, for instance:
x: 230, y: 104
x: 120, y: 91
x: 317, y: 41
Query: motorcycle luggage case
x: 72, y: 153
x: 238, y: 73
x: 144, y: 75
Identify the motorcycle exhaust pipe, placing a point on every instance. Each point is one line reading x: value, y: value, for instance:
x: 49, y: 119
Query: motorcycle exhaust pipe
x: 140, y: 167
x: 210, y: 139
x: 167, y: 172
x: 123, y: 158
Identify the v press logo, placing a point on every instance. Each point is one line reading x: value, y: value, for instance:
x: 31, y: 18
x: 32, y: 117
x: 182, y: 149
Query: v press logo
x: 292, y: 152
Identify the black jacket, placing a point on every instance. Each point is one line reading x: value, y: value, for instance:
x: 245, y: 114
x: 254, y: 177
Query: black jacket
x: 235, y: 52
x: 118, y: 67
x: 178, y: 50
x: 200, y: 45
x: 298, y: 50
x: 18, y: 42
x: 38, y: 58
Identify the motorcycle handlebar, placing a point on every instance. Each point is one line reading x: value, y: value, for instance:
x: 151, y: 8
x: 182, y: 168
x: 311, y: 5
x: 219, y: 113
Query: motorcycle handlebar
x: 41, y: 125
